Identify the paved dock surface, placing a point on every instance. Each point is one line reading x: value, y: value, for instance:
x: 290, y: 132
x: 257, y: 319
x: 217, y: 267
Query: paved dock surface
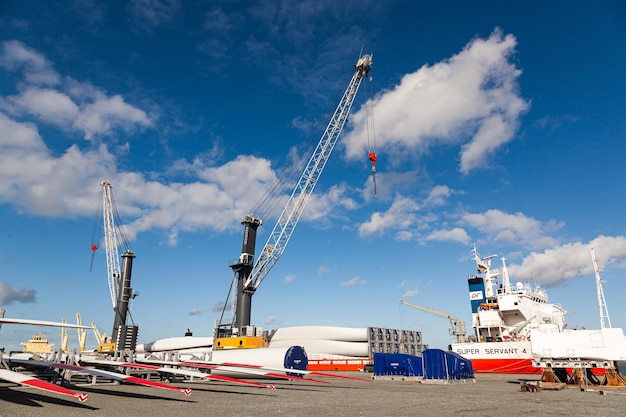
x: 489, y: 395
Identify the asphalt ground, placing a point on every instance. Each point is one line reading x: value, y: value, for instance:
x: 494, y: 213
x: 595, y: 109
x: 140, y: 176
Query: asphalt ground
x: 488, y: 395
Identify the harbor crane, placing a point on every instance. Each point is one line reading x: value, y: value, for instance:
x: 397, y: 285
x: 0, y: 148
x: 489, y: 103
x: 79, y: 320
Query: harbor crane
x: 457, y: 325
x: 123, y: 336
x: 250, y: 274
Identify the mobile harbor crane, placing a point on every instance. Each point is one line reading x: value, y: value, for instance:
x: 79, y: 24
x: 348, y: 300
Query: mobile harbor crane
x: 123, y: 337
x: 250, y: 274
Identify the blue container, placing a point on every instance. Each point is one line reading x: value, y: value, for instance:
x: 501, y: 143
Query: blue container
x: 400, y: 364
x: 441, y: 364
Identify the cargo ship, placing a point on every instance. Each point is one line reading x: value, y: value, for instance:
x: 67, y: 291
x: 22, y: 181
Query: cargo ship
x: 503, y: 316
x: 37, y: 344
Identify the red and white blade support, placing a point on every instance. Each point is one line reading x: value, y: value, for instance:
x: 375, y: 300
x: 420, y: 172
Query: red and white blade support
x: 30, y: 381
x: 105, y: 374
x: 284, y: 373
x: 177, y: 371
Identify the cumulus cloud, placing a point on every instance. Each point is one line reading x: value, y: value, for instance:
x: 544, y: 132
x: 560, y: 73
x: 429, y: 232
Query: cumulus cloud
x: 195, y: 312
x: 504, y: 227
x: 400, y: 215
x: 103, y: 114
x: 63, y: 101
x: 40, y: 181
x: 35, y: 181
x: 36, y: 69
x: 48, y: 104
x: 471, y: 99
x: 324, y: 205
x: 409, y: 220
x: 10, y: 294
x: 564, y: 262
x: 438, y: 196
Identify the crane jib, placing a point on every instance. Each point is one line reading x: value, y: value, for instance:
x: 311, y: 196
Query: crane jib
x: 280, y: 235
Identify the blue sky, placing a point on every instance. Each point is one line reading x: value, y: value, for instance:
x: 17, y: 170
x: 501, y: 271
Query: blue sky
x: 496, y: 124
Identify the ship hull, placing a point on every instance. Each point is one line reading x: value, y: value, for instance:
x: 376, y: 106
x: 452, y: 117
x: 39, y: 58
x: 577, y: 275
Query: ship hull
x: 498, y: 357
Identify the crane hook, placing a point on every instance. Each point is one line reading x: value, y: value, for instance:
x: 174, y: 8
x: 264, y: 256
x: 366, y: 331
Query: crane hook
x: 94, y: 248
x: 372, y: 157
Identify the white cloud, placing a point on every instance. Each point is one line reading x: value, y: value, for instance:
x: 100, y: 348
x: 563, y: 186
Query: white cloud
x: 323, y: 270
x: 404, y: 235
x: 70, y: 105
x: 438, y: 195
x: 514, y: 228
x: 471, y: 99
x: 48, y: 104
x: 494, y: 132
x: 35, y: 181
x: 401, y: 215
x: 196, y: 312
x: 454, y: 235
x: 352, y: 282
x: 289, y: 279
x: 14, y: 55
x: 410, y: 291
x: 10, y: 293
x: 106, y: 113
x: 324, y: 205
x: 561, y: 263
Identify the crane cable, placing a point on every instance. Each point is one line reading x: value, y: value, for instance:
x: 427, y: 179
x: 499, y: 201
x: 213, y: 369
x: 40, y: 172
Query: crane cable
x: 371, y: 132
x: 95, y: 235
x: 269, y: 205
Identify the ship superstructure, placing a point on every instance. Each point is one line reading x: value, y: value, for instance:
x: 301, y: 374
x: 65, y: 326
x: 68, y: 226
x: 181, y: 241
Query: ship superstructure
x: 37, y: 344
x: 505, y: 312
x: 503, y: 316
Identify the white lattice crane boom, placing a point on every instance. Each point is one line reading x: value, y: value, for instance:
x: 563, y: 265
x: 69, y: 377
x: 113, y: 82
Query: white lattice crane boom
x: 111, y: 242
x: 292, y: 211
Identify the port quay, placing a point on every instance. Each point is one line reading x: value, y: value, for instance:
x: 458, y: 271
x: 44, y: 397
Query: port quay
x: 297, y: 398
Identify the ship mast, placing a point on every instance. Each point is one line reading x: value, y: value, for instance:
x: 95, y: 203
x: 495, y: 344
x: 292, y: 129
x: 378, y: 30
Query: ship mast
x: 604, y: 312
